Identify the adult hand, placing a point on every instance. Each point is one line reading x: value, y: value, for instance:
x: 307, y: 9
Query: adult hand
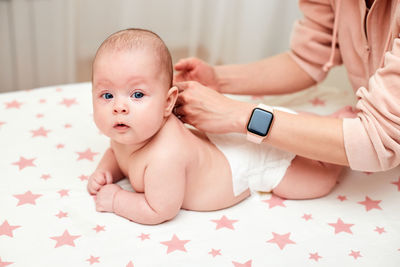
x: 210, y: 111
x: 194, y: 69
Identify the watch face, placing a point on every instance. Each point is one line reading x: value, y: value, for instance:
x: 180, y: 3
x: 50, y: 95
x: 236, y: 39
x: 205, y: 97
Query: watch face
x: 260, y: 121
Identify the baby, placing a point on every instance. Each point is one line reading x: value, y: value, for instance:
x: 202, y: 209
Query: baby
x: 170, y: 166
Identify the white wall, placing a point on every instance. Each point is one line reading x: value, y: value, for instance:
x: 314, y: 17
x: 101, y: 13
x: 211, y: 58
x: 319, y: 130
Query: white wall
x: 48, y: 42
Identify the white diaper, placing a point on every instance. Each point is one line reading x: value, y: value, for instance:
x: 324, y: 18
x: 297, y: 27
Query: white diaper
x: 259, y: 167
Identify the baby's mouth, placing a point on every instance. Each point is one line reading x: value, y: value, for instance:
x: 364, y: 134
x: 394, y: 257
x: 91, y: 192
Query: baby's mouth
x: 120, y: 126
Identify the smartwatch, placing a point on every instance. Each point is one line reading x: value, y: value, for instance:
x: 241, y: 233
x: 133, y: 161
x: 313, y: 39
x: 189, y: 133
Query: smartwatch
x: 259, y: 123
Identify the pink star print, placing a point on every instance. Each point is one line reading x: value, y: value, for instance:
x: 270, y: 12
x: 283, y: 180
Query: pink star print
x: 340, y: 226
x: 67, y: 125
x: 68, y: 102
x: 307, y: 217
x: 4, y: 263
x: 314, y: 256
x: 83, y: 177
x: 63, y: 192
x: 13, y: 104
x: 355, y: 254
x: 23, y: 163
x: 27, y: 198
x: 246, y: 264
x: 275, y: 201
x: 317, y: 102
x: 40, y: 132
x: 144, y: 236
x: 1, y: 123
x: 370, y: 204
x: 59, y: 146
x: 99, y: 228
x: 93, y: 259
x: 397, y: 183
x: 224, y: 222
x: 130, y: 264
x: 215, y: 252
x: 342, y: 198
x: 175, y: 244
x: 62, y: 214
x: 65, y: 239
x: 39, y: 115
x: 6, y: 229
x: 281, y: 240
x: 45, y: 176
x: 88, y: 154
x: 380, y: 230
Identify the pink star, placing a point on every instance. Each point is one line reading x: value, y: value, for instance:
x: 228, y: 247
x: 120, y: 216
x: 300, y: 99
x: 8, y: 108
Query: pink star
x: 58, y: 89
x: 62, y: 214
x: 59, y: 146
x: 27, y: 198
x: 45, y: 176
x: 380, y: 230
x: 130, y: 264
x: 65, y: 239
x: 4, y: 263
x: 99, y: 228
x: 13, y: 104
x: 215, y: 252
x: 6, y: 229
x: 307, y: 217
x: 63, y: 192
x: 355, y: 254
x: 67, y: 125
x: 275, y: 201
x: 83, y: 177
x: 69, y: 102
x: 93, y: 259
x: 40, y: 132
x: 39, y: 115
x: 88, y: 154
x: 281, y: 240
x: 340, y: 226
x: 317, y: 102
x: 314, y: 256
x: 175, y: 244
x: 246, y: 264
x: 397, y: 183
x: 370, y: 204
x: 42, y: 101
x: 342, y: 198
x: 144, y: 236
x: 224, y: 222
x: 23, y: 163
x: 2, y: 122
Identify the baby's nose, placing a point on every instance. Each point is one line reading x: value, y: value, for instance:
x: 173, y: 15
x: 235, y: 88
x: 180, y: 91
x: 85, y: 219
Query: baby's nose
x: 122, y: 110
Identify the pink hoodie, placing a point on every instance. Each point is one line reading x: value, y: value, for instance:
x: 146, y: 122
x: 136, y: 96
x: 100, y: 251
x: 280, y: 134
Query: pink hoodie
x: 333, y: 32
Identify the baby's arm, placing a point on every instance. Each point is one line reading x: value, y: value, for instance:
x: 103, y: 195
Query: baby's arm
x: 164, y: 187
x: 107, y: 172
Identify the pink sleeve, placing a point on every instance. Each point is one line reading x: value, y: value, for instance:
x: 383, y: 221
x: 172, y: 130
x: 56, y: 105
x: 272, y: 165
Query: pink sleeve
x: 372, y: 140
x: 311, y: 38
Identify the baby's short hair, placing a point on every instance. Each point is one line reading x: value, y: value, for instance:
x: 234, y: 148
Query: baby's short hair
x: 140, y: 38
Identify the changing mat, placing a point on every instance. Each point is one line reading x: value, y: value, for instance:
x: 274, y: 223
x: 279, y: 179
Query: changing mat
x: 49, y: 146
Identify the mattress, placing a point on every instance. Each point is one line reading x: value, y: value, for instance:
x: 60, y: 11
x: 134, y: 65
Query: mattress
x: 49, y: 146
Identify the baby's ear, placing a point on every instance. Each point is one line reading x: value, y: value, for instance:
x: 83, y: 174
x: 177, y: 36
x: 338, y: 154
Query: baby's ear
x: 171, y: 99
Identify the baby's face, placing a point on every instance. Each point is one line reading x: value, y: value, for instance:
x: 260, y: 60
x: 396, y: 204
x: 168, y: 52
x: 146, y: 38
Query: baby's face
x: 129, y: 95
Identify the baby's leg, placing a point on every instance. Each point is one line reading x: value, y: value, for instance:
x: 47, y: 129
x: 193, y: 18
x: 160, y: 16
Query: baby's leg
x: 307, y: 178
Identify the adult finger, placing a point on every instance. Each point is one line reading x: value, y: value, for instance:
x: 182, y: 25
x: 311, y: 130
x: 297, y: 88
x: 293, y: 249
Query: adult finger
x: 185, y: 64
x: 182, y: 86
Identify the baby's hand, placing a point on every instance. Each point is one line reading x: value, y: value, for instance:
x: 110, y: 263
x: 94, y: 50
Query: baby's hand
x: 97, y: 180
x: 105, y: 197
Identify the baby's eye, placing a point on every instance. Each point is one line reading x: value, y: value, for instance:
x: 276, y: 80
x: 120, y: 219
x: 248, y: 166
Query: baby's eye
x: 107, y: 96
x: 137, y: 95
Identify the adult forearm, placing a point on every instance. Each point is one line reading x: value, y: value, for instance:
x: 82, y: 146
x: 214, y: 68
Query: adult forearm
x: 275, y: 75
x: 311, y: 136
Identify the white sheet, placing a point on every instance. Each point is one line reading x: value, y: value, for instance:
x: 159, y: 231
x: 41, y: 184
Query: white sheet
x: 49, y: 145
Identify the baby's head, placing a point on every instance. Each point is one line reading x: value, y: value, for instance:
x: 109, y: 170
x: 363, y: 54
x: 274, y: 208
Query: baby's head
x: 131, y: 85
